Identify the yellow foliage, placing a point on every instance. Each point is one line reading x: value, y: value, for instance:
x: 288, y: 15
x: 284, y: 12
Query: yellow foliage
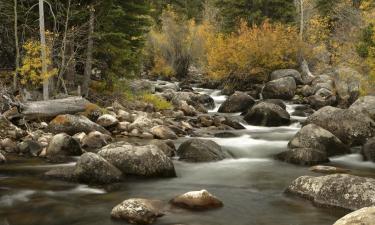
x: 253, y: 50
x: 158, y: 102
x: 31, y: 69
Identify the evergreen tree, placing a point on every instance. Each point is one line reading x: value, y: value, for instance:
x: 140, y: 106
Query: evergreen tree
x: 255, y: 11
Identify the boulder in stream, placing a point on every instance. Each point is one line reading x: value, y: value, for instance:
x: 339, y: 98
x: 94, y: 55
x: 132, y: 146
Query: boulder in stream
x: 315, y: 137
x: 197, y: 200
x: 147, y: 161
x: 283, y: 88
x: 339, y: 190
x: 61, y: 146
x: 303, y: 156
x: 351, y: 126
x: 364, y: 216
x: 199, y: 150
x: 93, y: 169
x: 238, y: 102
x: 138, y: 211
x: 368, y: 150
x: 267, y: 114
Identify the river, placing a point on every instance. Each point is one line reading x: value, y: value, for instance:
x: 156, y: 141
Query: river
x: 251, y: 186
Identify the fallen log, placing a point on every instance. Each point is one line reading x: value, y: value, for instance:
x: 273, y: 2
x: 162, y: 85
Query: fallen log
x: 49, y: 109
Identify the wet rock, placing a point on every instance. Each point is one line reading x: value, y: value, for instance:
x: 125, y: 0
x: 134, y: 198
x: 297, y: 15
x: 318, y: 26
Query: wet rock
x: 303, y: 156
x: 313, y: 136
x: 2, y: 159
x: 61, y: 146
x: 238, y: 102
x: 368, y: 150
x: 277, y: 74
x: 138, y: 211
x: 197, y: 200
x: 364, y: 216
x: 328, y: 169
x: 72, y: 125
x: 283, y: 88
x: 107, y: 121
x: 93, y: 169
x: 8, y: 145
x: 163, y: 132
x: 338, y: 190
x: 95, y: 140
x: 30, y: 147
x: 207, y: 101
x: 198, y: 150
x: 148, y: 161
x: 353, y: 127
x: 366, y: 105
x: 233, y: 124
x: 267, y: 114
x: 226, y: 135
x: 166, y: 146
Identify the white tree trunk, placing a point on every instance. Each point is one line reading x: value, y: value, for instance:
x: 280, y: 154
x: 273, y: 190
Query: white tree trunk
x: 43, y: 49
x: 90, y: 45
x: 302, y: 20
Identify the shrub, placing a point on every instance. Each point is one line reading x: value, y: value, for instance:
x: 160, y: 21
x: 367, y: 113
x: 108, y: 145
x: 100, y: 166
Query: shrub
x: 158, y: 102
x: 252, y: 52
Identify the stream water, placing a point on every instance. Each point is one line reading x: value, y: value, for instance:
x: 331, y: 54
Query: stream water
x: 251, y: 186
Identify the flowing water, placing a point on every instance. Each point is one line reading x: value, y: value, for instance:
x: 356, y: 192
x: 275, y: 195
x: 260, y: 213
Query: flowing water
x: 251, y: 186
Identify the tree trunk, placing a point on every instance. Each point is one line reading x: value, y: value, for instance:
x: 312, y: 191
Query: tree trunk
x: 50, y: 108
x: 89, y: 58
x: 17, y: 45
x: 302, y: 20
x: 43, y: 50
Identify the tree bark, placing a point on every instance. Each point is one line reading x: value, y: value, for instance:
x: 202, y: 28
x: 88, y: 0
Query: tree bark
x: 43, y: 50
x: 17, y: 45
x: 49, y: 108
x: 89, y: 58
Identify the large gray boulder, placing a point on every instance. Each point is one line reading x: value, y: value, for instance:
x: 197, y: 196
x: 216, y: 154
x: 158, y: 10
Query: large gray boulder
x: 238, y: 102
x: 199, y: 150
x: 267, y: 114
x: 61, y: 146
x: 147, y: 161
x: 315, y: 137
x: 277, y: 74
x: 364, y: 216
x: 303, y: 156
x: 283, y: 88
x: 138, y: 211
x: 338, y: 190
x: 368, y: 150
x: 72, y: 125
x: 365, y: 104
x: 351, y: 126
x: 93, y: 169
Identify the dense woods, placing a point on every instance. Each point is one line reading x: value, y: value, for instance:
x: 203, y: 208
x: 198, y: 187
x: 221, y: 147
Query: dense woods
x: 260, y: 102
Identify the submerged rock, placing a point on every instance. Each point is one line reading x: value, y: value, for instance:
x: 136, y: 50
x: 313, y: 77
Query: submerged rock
x: 238, y: 102
x: 148, y: 161
x: 303, y: 156
x: 61, y: 146
x: 364, y: 216
x: 199, y: 150
x: 72, y: 125
x: 283, y: 88
x: 351, y: 126
x: 315, y: 137
x: 197, y: 200
x: 267, y: 114
x: 138, y: 211
x: 328, y: 169
x: 338, y: 190
x: 92, y: 168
